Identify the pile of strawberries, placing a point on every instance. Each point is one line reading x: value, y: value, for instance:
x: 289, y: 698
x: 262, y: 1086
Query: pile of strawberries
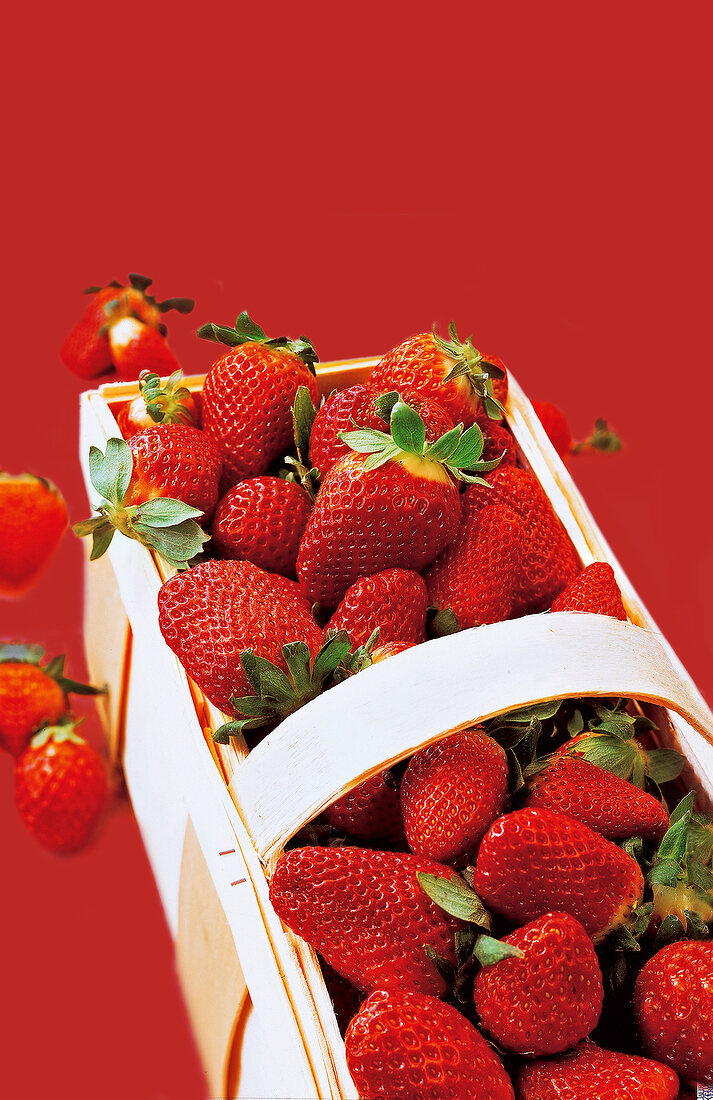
x: 513, y: 908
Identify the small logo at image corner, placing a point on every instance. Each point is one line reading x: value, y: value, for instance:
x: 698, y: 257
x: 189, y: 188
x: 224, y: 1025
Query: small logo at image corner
x: 705, y: 1092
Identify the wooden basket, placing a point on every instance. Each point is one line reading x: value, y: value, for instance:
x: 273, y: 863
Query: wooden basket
x: 214, y: 818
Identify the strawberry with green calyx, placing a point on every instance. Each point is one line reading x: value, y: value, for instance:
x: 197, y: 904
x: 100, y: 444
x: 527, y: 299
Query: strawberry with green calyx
x: 278, y: 692
x: 394, y: 502
x: 33, y: 519
x: 161, y: 523
x: 159, y: 402
x: 681, y: 878
x: 557, y: 428
x: 595, y: 591
x: 86, y: 350
x: 32, y: 694
x: 60, y: 787
x: 249, y: 393
x: 451, y: 372
x: 589, y: 1071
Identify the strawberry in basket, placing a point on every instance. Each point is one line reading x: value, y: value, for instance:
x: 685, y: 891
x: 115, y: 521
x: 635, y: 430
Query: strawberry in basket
x: 589, y: 1072
x: 159, y: 403
x: 262, y: 520
x: 394, y: 601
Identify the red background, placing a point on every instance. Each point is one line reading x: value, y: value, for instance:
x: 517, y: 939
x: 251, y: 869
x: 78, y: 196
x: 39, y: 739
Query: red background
x: 541, y: 179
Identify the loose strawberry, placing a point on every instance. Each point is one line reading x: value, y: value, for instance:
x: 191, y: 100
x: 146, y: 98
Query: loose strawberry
x: 555, y: 423
x: 673, y: 1004
x: 548, y: 999
x: 369, y: 407
x: 549, y: 561
x: 159, y: 403
x: 409, y: 1046
x: 262, y: 520
x: 136, y: 480
x: 595, y: 590
x: 394, y: 601
x: 450, y: 794
x: 365, y: 912
x: 478, y: 575
x: 248, y: 395
x: 212, y: 614
x: 136, y: 347
x: 33, y: 518
x: 395, y: 503
x: 534, y: 861
x: 60, y: 788
x: 613, y: 807
x: 86, y: 350
x: 371, y: 811
x: 32, y: 695
x: 452, y: 372
x: 591, y: 1073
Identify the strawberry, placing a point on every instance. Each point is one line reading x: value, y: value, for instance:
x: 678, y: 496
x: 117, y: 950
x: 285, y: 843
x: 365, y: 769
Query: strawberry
x: 549, y: 998
x: 395, y: 503
x: 136, y: 347
x: 32, y: 695
x: 613, y: 807
x: 248, y: 395
x: 451, y: 372
x: 590, y: 1072
x: 211, y: 614
x: 365, y: 912
x: 369, y: 407
x: 549, y: 561
x: 60, y: 788
x: 157, y: 403
x: 553, y: 420
x: 262, y: 520
x: 533, y: 861
x: 371, y: 811
x: 594, y: 590
x: 394, y: 600
x: 33, y: 518
x: 673, y: 1005
x: 135, y: 480
x: 681, y: 876
x: 497, y: 441
x: 409, y: 1046
x: 478, y: 575
x: 86, y: 350
x: 451, y: 792
x: 390, y: 649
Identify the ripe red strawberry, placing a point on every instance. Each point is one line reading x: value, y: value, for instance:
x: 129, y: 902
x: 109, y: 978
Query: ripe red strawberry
x: 365, y: 912
x: 550, y: 998
x: 611, y: 806
x: 395, y: 503
x: 364, y: 405
x: 32, y: 695
x: 171, y: 460
x: 673, y: 1004
x: 136, y: 347
x: 409, y: 1046
x: 497, y: 441
x: 595, y: 590
x: 549, y: 560
x: 450, y: 794
x: 371, y: 811
x: 262, y: 520
x: 394, y: 601
x: 33, y: 518
x: 591, y: 1073
x: 382, y: 652
x: 248, y: 396
x: 478, y: 575
x: 553, y: 420
x: 60, y: 788
x: 86, y: 350
x: 452, y: 372
x: 210, y: 614
x: 157, y: 403
x: 533, y: 861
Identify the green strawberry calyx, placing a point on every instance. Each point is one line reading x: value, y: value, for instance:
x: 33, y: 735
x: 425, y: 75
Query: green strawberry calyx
x: 457, y: 450
x: 278, y: 693
x: 297, y: 467
x: 65, y: 731
x: 33, y: 654
x: 142, y: 283
x: 167, y: 402
x: 681, y: 876
x: 358, y: 659
x: 602, y: 438
x: 470, y: 363
x: 162, y: 523
x: 246, y: 331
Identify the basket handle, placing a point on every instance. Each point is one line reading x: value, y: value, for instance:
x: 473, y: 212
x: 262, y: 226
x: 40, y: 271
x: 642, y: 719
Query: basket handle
x: 394, y: 708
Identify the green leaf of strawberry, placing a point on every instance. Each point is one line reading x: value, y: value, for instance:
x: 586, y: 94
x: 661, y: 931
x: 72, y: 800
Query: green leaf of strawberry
x: 246, y: 330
